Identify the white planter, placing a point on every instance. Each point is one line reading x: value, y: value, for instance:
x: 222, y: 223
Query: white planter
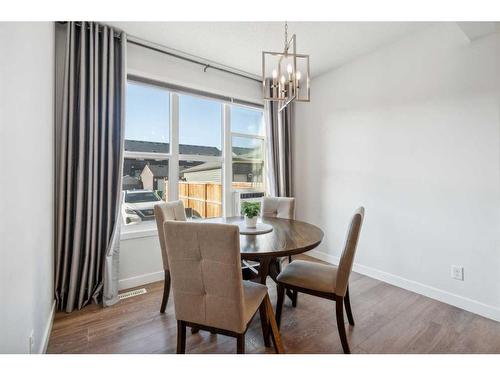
x: 251, y: 223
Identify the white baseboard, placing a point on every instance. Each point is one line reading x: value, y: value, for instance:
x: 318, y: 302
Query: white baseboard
x: 464, y: 303
x: 132, y: 282
x: 48, y: 329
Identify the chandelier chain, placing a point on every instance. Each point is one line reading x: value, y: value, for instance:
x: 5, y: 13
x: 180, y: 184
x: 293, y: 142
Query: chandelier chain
x: 286, y: 36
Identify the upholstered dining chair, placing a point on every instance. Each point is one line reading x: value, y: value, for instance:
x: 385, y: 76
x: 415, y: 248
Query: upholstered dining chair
x: 279, y: 207
x: 209, y: 292
x: 167, y: 211
x: 325, y: 281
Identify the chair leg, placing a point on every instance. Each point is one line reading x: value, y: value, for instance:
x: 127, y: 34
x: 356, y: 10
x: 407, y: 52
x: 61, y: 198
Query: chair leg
x: 264, y: 321
x: 295, y: 295
x: 275, y: 333
x: 339, y: 307
x: 290, y: 293
x: 348, y: 308
x: 181, y: 337
x: 279, y: 304
x: 240, y: 346
x: 166, y: 292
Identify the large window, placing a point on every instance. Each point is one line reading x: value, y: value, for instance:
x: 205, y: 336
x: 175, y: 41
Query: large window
x: 174, y: 149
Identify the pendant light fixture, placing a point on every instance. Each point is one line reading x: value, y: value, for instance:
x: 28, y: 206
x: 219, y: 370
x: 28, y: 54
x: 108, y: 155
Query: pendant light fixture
x: 285, y: 75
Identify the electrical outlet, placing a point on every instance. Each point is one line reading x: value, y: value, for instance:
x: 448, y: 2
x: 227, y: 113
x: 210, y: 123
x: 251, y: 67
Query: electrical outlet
x: 457, y: 273
x: 31, y: 342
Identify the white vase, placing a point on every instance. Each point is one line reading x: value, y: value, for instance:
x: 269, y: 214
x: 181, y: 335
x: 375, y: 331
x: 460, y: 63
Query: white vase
x: 251, y: 222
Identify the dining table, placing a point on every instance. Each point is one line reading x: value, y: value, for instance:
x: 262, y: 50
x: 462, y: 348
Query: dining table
x: 286, y: 237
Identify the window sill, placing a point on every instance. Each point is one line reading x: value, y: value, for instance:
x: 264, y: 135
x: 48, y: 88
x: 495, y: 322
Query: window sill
x: 141, y: 231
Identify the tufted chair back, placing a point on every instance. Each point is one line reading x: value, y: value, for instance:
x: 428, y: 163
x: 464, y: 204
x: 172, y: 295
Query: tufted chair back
x: 205, y: 266
x: 280, y: 207
x: 167, y: 211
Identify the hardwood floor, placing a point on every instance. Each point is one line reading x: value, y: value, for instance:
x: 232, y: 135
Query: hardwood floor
x: 388, y: 320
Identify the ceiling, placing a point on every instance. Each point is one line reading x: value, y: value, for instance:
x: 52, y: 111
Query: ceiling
x: 239, y: 44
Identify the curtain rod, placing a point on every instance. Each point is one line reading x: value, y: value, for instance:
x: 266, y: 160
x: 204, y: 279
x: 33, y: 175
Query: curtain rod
x: 206, y: 65
x: 134, y: 40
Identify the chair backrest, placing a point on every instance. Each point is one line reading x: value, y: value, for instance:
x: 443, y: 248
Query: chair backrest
x: 347, y: 257
x: 281, y: 207
x: 167, y: 211
x: 205, y: 269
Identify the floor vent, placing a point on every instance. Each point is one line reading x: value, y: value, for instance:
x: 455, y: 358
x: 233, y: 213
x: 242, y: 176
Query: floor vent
x: 132, y: 293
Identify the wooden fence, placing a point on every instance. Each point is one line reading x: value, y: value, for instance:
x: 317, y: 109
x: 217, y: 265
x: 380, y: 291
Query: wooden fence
x: 206, y: 197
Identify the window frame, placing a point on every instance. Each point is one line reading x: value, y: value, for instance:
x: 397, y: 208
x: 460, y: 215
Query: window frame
x: 173, y: 156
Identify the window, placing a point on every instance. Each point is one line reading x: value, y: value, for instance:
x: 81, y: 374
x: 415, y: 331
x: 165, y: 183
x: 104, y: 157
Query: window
x: 147, y: 133
x: 247, y: 121
x: 247, y: 141
x: 148, y: 119
x: 200, y: 126
x: 200, y: 153
x: 174, y: 149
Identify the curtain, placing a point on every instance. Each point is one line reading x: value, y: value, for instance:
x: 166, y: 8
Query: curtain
x: 279, y: 152
x: 89, y: 162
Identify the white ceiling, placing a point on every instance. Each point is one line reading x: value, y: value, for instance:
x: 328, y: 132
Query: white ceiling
x: 239, y: 44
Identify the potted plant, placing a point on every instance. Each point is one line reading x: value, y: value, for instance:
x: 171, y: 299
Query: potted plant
x: 251, y: 211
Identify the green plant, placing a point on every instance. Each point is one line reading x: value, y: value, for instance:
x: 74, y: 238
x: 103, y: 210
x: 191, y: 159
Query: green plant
x: 250, y: 209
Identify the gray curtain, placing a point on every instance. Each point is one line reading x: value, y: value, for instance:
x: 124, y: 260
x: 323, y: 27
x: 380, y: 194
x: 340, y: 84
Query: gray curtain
x: 279, y: 151
x: 89, y: 161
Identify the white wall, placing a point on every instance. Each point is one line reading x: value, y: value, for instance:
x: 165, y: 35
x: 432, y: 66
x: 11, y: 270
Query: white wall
x: 140, y: 261
x: 26, y: 184
x: 140, y: 258
x: 411, y: 132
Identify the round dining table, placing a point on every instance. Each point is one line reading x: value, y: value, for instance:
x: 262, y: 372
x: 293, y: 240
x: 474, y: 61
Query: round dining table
x: 288, y: 237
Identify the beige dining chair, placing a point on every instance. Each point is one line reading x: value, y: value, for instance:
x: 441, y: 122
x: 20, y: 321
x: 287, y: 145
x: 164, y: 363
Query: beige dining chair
x: 325, y: 281
x: 167, y: 211
x: 209, y: 293
x: 280, y: 207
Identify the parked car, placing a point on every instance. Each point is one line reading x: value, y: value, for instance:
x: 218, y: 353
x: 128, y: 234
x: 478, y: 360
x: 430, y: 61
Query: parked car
x: 138, y: 205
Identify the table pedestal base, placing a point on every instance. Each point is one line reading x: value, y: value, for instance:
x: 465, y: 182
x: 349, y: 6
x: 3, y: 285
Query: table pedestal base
x: 270, y: 266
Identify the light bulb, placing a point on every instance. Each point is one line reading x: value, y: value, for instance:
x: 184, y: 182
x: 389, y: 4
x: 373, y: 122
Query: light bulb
x: 275, y: 74
x: 289, y: 68
x: 283, y: 79
x: 299, y: 76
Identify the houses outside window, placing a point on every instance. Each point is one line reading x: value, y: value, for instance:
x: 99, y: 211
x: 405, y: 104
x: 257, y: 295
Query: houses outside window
x: 175, y: 149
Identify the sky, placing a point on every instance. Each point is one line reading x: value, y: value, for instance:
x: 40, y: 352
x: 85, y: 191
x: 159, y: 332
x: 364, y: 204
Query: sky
x: 148, y: 114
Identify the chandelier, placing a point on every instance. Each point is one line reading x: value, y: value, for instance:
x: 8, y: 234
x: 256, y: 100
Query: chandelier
x: 285, y: 75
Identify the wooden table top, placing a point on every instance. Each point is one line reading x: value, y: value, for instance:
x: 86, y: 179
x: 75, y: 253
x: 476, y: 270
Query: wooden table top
x: 289, y: 237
